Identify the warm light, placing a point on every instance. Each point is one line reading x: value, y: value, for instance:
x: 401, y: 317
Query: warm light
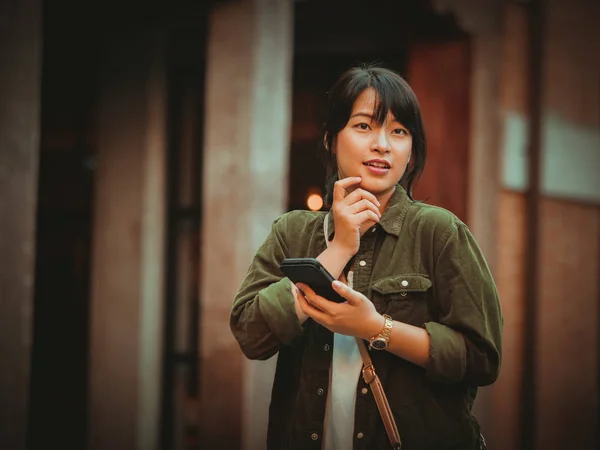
x: 314, y: 202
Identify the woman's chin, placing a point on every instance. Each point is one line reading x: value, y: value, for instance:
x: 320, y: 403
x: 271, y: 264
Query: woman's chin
x: 377, y: 189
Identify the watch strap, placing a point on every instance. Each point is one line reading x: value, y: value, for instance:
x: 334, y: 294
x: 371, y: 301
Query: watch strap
x: 384, y: 334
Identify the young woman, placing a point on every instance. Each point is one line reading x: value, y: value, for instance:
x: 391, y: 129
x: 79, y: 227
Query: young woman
x: 422, y: 294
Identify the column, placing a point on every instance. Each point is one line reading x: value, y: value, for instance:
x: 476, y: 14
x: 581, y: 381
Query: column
x: 482, y: 20
x: 247, y: 138
x: 484, y: 141
x: 511, y: 275
x: 20, y: 79
x: 128, y: 247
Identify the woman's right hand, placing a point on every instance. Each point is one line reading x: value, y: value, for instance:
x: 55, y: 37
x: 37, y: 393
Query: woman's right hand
x: 353, y: 213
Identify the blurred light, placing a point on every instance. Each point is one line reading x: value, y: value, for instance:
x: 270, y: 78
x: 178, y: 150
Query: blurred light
x: 314, y: 202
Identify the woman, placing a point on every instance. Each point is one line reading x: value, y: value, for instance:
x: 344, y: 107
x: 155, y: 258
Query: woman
x: 421, y: 290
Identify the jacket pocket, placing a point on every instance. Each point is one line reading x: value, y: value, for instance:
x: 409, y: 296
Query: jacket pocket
x: 403, y: 297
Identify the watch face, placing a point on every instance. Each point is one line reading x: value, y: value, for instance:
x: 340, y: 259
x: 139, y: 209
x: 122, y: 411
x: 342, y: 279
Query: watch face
x: 379, y: 344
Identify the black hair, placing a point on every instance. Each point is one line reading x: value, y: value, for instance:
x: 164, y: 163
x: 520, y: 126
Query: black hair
x: 392, y: 94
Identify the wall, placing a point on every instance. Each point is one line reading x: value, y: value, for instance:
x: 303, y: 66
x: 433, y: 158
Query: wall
x: 565, y: 329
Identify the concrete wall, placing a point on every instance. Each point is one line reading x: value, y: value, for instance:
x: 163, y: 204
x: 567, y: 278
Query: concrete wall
x: 568, y: 345
x: 566, y: 336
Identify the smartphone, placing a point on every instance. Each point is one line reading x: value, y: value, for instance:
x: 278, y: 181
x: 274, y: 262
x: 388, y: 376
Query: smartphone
x: 312, y: 273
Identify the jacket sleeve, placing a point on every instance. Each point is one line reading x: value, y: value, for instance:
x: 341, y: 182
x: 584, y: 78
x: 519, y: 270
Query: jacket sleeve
x: 466, y: 338
x: 263, y: 316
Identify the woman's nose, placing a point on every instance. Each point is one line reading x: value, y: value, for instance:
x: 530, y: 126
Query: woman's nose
x: 381, y: 141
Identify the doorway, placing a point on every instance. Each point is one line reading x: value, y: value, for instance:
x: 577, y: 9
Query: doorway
x: 427, y: 49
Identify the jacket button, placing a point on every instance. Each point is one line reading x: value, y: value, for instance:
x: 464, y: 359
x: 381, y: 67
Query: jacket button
x: 359, y: 436
x: 320, y: 391
x: 326, y: 347
x: 404, y: 283
x: 362, y: 263
x: 314, y: 436
x: 364, y: 390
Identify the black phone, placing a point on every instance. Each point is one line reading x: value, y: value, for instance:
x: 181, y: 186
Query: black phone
x: 312, y: 273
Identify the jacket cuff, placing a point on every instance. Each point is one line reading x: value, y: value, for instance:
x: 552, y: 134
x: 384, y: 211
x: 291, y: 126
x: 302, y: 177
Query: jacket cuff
x: 276, y: 305
x: 447, y: 354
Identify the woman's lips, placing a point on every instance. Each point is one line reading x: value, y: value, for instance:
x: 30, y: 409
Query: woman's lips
x: 377, y: 168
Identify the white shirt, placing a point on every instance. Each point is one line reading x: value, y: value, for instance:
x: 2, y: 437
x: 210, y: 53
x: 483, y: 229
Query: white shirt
x: 346, y: 366
x: 345, y: 371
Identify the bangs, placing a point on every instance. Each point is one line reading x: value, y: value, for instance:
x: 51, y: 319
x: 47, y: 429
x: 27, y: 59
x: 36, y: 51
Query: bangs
x: 392, y: 94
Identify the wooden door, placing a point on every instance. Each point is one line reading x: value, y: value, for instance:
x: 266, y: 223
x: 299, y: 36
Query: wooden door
x: 439, y: 73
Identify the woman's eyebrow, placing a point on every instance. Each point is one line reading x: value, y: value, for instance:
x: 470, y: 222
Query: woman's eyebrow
x: 363, y: 114
x: 370, y: 117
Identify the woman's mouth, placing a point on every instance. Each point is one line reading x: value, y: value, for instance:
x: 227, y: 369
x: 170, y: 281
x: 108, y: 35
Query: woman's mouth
x: 377, y: 167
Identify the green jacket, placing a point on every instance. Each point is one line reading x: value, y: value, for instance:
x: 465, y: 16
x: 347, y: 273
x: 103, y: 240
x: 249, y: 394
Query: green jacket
x: 450, y: 293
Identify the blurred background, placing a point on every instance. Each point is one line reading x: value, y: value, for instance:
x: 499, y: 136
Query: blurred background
x: 146, y: 148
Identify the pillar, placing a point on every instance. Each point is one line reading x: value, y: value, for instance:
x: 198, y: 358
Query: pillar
x: 247, y: 139
x: 20, y: 79
x: 128, y: 247
x: 507, y: 393
x: 482, y: 20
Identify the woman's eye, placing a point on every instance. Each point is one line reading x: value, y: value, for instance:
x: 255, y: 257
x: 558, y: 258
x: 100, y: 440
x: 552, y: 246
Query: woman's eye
x: 400, y: 131
x: 362, y: 126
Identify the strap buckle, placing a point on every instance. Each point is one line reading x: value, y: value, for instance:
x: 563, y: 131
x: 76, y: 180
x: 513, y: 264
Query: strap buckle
x: 368, y: 373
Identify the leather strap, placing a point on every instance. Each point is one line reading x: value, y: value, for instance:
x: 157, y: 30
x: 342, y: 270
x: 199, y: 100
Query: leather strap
x: 371, y: 378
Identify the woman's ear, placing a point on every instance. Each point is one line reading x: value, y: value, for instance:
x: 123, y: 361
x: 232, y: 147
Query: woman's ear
x: 409, y: 156
x: 325, y: 144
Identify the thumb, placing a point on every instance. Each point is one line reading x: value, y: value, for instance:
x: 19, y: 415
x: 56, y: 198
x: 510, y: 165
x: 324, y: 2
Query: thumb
x: 347, y: 292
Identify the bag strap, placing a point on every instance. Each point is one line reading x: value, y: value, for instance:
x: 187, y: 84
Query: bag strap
x: 371, y: 378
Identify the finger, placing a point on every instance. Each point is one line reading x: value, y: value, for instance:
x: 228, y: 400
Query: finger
x: 306, y: 292
x: 321, y: 303
x: 353, y: 297
x: 311, y: 311
x: 363, y: 205
x: 340, y: 187
x: 359, y: 194
x: 302, y: 316
x: 304, y: 305
x: 365, y: 216
x: 304, y: 288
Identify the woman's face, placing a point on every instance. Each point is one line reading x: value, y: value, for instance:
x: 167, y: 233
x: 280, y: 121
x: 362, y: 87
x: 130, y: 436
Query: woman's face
x: 377, y: 154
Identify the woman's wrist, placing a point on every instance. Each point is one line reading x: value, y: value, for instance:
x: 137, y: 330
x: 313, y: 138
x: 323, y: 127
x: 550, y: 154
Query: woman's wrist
x: 334, y: 258
x: 374, y: 326
x: 341, y: 251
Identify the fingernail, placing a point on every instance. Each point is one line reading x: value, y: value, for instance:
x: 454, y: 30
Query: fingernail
x: 337, y: 284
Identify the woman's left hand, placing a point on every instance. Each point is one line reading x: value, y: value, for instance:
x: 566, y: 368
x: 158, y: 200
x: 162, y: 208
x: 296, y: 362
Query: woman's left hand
x: 356, y: 317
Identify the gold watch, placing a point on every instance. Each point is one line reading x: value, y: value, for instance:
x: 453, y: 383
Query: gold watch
x: 382, y: 340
